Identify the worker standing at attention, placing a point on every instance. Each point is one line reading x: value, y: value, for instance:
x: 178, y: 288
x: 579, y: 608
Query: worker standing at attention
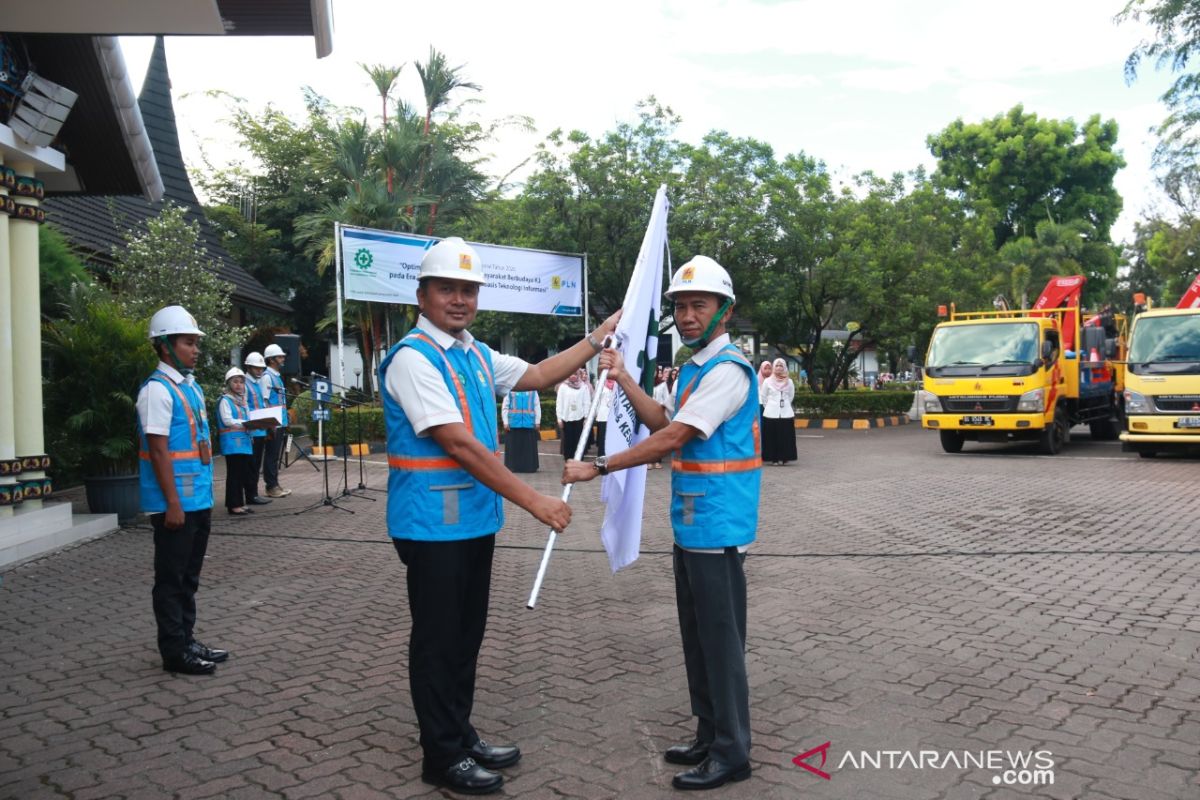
x: 175, y: 478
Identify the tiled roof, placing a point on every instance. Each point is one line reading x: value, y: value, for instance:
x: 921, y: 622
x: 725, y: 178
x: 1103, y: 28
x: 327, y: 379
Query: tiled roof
x: 95, y: 223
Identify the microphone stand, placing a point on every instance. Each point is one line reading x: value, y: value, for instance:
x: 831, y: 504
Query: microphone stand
x: 327, y: 499
x: 283, y: 452
x: 362, y: 484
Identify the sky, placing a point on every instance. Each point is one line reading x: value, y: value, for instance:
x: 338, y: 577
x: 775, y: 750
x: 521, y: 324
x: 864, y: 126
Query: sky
x: 859, y: 85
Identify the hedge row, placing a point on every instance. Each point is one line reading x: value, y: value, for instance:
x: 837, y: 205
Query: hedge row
x: 807, y: 405
x: 853, y: 402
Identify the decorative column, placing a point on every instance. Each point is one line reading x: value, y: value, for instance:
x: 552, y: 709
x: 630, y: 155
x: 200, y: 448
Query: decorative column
x: 9, y: 466
x: 27, y: 332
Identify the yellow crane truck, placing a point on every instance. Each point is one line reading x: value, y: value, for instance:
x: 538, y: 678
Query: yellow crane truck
x: 1162, y: 382
x: 1003, y: 375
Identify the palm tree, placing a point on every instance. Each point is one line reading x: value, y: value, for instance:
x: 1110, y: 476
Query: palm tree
x: 439, y: 80
x: 384, y: 79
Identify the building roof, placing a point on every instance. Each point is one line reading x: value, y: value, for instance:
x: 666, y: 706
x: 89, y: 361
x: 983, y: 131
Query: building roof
x: 203, y: 18
x: 103, y: 146
x: 96, y: 223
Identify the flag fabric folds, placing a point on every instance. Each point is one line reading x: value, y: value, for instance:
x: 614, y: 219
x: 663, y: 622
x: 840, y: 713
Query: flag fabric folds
x: 637, y: 340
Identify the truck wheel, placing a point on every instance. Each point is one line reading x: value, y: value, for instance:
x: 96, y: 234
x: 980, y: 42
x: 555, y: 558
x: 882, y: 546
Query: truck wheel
x: 1054, y: 438
x: 952, y: 441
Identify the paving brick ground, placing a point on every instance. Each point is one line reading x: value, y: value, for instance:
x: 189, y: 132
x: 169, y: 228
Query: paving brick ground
x: 901, y: 600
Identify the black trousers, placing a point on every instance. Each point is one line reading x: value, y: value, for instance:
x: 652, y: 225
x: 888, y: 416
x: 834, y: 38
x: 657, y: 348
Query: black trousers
x: 572, y: 431
x: 710, y: 593
x: 448, y: 588
x: 272, y: 454
x: 178, y: 558
x: 259, y: 443
x: 601, y: 432
x: 237, y: 478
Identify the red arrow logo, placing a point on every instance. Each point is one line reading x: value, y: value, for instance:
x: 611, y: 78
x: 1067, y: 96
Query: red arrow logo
x: 800, y: 760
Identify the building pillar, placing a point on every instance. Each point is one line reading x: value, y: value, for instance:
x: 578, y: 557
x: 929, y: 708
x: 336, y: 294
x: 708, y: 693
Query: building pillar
x: 8, y: 443
x: 27, y: 332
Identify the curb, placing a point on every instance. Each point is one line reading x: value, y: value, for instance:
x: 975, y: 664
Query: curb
x: 854, y: 424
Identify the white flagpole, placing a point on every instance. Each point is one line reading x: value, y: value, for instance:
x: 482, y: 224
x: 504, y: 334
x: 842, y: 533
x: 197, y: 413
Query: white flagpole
x: 579, y: 450
x: 337, y: 274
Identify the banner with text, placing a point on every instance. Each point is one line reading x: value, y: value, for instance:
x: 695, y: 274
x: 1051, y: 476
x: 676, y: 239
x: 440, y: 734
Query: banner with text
x: 382, y: 266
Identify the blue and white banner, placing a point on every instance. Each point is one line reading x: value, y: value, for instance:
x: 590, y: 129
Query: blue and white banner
x: 382, y: 266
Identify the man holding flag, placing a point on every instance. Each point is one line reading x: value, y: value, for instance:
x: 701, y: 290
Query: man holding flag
x: 715, y: 480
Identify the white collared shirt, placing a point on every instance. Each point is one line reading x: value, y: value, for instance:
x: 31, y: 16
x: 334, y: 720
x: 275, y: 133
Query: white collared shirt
x: 718, y: 397
x: 418, y: 386
x: 156, y: 403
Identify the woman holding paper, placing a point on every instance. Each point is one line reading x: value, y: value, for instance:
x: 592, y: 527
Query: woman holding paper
x: 233, y: 413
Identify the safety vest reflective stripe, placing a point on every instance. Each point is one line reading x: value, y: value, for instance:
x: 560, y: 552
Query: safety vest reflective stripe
x: 187, y: 407
x: 458, y: 388
x: 176, y: 455
x: 741, y: 465
x: 419, y: 464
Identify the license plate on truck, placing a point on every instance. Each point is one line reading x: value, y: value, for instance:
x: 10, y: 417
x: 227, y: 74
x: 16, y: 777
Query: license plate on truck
x: 976, y: 419
x: 1188, y: 422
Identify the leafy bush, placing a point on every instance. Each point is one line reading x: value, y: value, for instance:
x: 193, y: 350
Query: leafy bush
x: 99, y: 358
x: 370, y: 417
x: 852, y: 403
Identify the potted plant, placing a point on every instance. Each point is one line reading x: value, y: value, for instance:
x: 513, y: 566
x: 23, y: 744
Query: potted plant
x: 99, y: 359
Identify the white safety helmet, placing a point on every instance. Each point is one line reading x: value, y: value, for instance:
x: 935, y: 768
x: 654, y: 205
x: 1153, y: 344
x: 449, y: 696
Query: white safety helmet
x: 701, y: 274
x: 256, y: 360
x: 233, y: 372
x: 453, y: 259
x: 173, y: 320
x: 272, y: 351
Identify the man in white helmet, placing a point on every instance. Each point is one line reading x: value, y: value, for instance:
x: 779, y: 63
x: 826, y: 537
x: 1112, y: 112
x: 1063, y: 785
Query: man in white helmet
x: 446, y: 488
x: 176, y: 487
x: 714, y: 514
x: 275, y: 395
x: 256, y: 366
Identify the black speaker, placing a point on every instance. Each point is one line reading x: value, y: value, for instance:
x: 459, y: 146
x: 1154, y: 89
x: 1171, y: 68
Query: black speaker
x: 290, y: 343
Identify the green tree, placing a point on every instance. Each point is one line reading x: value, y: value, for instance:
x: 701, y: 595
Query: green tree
x: 1176, y: 26
x: 165, y: 265
x: 60, y: 268
x: 1071, y: 248
x: 1030, y: 169
x: 1164, y: 258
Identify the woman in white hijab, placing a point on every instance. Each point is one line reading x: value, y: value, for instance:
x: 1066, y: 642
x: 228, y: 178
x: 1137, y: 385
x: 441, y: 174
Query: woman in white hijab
x: 779, y: 427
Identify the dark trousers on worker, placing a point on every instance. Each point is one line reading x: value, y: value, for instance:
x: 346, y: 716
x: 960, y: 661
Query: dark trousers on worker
x: 448, y: 588
x: 272, y: 456
x: 178, y: 558
x: 238, y: 490
x: 259, y: 444
x: 710, y: 593
x: 601, y: 432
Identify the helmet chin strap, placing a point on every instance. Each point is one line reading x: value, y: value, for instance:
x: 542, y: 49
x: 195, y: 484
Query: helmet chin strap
x: 175, y: 362
x: 702, y: 342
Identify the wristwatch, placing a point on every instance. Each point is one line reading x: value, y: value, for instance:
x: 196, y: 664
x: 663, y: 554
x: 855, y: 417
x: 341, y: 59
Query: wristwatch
x: 601, y: 464
x: 597, y: 346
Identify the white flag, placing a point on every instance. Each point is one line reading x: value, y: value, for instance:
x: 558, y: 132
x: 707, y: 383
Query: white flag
x: 637, y: 340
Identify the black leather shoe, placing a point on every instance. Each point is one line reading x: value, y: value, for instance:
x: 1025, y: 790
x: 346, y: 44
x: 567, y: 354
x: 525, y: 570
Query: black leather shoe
x: 465, y: 777
x: 711, y: 774
x: 259, y: 501
x: 188, y: 663
x: 207, y: 653
x: 494, y: 757
x: 687, y: 754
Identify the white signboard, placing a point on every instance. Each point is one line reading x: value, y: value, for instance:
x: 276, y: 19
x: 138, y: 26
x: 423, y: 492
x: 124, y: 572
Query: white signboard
x: 381, y: 267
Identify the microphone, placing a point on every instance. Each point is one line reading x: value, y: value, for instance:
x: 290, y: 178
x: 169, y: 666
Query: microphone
x: 299, y: 382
